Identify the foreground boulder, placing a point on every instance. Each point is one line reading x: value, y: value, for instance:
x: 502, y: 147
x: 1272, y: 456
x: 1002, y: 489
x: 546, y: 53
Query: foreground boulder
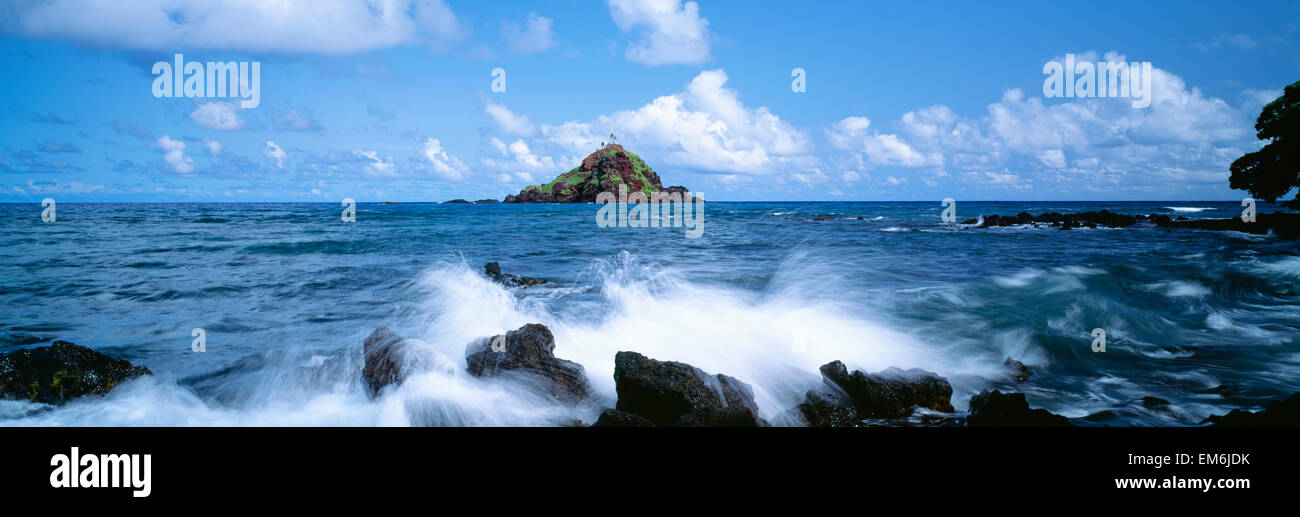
x: 1280, y: 413
x: 616, y: 418
x: 997, y: 409
x: 822, y: 409
x: 493, y: 271
x: 386, y: 356
x: 668, y: 393
x: 528, y: 351
x: 61, y: 372
x: 890, y: 393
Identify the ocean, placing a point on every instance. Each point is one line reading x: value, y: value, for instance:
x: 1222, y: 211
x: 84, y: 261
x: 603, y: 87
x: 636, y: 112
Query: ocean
x: 285, y: 293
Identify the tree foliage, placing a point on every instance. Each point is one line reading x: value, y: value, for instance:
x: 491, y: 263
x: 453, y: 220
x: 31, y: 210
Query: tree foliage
x: 1274, y: 170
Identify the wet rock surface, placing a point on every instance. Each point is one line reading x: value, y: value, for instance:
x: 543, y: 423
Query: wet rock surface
x: 385, y: 354
x: 997, y: 409
x: 668, y: 393
x: 493, y: 271
x: 61, y: 372
x: 528, y: 351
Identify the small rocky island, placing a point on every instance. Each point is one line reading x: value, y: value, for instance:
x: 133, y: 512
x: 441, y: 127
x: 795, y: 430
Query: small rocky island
x: 602, y: 171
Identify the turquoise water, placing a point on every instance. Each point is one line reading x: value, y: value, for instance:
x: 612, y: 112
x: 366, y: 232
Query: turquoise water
x: 286, y: 292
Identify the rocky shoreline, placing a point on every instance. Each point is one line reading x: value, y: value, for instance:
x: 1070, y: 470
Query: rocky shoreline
x: 1283, y: 225
x: 650, y: 392
x: 660, y: 393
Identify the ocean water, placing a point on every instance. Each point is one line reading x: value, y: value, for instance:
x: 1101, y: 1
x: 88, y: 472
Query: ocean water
x: 1209, y: 321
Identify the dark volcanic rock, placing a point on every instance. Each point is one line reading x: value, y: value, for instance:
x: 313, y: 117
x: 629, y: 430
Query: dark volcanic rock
x: 1286, y: 226
x: 1017, y: 369
x: 821, y: 409
x: 720, y: 417
x: 890, y: 393
x: 457, y: 201
x: 1283, y: 225
x: 996, y: 409
x: 530, y: 351
x: 1280, y: 413
x: 386, y: 354
x: 493, y: 271
x: 486, y: 201
x: 616, y: 418
x: 1102, y: 218
x: 670, y: 393
x: 61, y: 372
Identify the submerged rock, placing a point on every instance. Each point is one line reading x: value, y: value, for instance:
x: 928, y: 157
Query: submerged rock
x: 670, y: 393
x: 1280, y: 413
x: 1017, y: 369
x: 386, y: 354
x: 997, y: 409
x: 528, y: 350
x: 493, y: 271
x: 61, y: 372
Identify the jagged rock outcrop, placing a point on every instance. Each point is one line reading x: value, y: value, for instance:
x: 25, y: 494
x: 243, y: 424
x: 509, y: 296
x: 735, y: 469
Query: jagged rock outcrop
x: 602, y: 171
x: 528, y: 351
x: 61, y: 372
x: 669, y: 393
x: 1279, y: 413
x: 386, y: 356
x: 492, y: 270
x: 846, y: 399
x: 997, y: 409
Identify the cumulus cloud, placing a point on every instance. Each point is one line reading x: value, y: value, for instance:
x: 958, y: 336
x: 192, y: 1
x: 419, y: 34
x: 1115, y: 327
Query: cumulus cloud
x: 509, y: 122
x: 174, y: 155
x: 274, y: 152
x: 708, y: 128
x: 288, y: 26
x: 853, y: 134
x: 672, y: 32
x: 535, y: 34
x: 222, y: 116
x: 444, y: 165
x: 1183, y: 137
x: 518, y: 157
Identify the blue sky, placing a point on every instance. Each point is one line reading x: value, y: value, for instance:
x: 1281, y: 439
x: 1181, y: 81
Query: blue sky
x: 392, y: 100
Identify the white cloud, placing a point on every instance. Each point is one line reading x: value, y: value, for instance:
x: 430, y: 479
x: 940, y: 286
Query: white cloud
x: 377, y: 166
x: 289, y: 26
x: 508, y: 122
x: 274, y: 152
x: 535, y: 34
x: 518, y: 157
x: 174, y: 155
x: 674, y: 33
x: 444, y: 165
x: 1184, y: 137
x: 709, y: 129
x: 854, y: 134
x: 222, y: 116
x: 213, y: 147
